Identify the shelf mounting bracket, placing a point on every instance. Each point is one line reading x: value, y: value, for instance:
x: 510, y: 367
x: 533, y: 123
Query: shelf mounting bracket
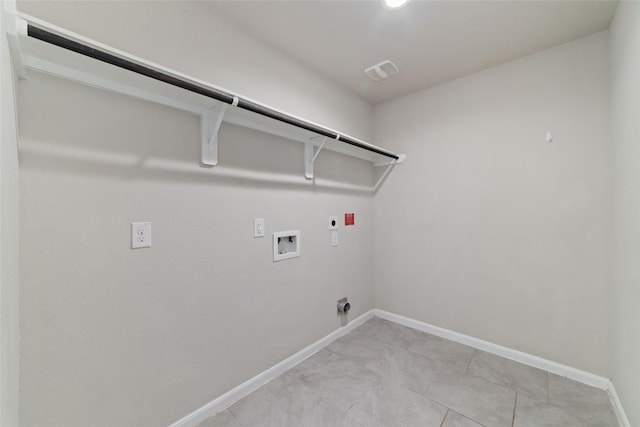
x: 210, y: 122
x: 401, y: 158
x: 310, y: 157
x: 390, y: 166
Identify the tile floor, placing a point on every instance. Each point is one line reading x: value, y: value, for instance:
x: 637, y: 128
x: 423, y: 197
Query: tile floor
x: 384, y: 374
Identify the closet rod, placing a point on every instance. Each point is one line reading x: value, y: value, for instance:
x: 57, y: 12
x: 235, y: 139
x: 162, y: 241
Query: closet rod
x: 72, y: 45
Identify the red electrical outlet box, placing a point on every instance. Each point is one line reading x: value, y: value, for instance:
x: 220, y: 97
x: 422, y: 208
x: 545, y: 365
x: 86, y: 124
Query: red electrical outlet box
x: 349, y: 219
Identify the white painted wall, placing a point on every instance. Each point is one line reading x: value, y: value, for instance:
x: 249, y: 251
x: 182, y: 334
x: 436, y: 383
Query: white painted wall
x: 9, y: 263
x: 625, y: 102
x: 487, y: 229
x: 114, y: 336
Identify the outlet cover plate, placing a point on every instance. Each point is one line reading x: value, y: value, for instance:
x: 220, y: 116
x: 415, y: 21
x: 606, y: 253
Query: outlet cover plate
x: 258, y: 227
x: 140, y: 235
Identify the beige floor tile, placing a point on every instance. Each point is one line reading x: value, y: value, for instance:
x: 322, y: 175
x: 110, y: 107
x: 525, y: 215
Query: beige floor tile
x: 390, y: 332
x: 309, y: 362
x: 516, y: 376
x: 534, y: 413
x: 389, y: 404
x: 339, y: 380
x: 413, y: 370
x: 360, y: 348
x: 439, y: 348
x: 476, y: 398
x: 286, y: 401
x: 588, y: 403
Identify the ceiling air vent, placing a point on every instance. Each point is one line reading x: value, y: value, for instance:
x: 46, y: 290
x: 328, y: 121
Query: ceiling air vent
x: 382, y: 71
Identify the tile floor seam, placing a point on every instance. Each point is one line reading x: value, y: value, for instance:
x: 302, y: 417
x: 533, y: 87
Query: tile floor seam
x: 424, y: 393
x: 445, y: 417
x: 236, y: 418
x: 472, y: 419
x: 357, y: 399
x: 437, y: 401
x: 515, y: 403
x: 232, y: 414
x: 366, y: 391
x: 548, y: 398
x: 471, y: 374
x: 364, y: 394
x: 470, y: 359
x: 321, y: 396
x: 433, y: 400
x: 427, y: 390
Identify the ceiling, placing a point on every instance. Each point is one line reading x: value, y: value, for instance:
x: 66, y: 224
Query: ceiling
x: 431, y: 42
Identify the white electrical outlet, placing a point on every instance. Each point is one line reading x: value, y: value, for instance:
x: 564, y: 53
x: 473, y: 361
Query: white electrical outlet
x: 140, y: 235
x: 258, y: 227
x: 333, y: 223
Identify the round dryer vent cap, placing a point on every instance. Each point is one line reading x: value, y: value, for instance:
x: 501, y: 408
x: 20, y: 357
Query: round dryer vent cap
x: 381, y: 71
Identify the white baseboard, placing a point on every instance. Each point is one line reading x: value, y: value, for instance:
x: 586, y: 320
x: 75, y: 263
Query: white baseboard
x: 519, y: 356
x: 509, y: 353
x: 617, y: 406
x: 259, y: 380
x: 262, y: 378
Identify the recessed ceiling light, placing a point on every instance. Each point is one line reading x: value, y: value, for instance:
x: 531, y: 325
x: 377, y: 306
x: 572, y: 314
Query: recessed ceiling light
x: 394, y: 4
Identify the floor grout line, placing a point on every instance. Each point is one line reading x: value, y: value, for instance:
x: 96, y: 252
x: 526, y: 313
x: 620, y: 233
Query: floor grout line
x: 235, y: 418
x: 472, y: 419
x: 445, y: 417
x: 515, y: 403
x: 470, y: 359
x: 548, y: 395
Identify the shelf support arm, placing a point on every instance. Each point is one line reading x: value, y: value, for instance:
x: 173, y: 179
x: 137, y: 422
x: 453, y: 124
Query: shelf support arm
x: 390, y: 166
x: 310, y: 157
x: 401, y: 158
x: 210, y: 122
